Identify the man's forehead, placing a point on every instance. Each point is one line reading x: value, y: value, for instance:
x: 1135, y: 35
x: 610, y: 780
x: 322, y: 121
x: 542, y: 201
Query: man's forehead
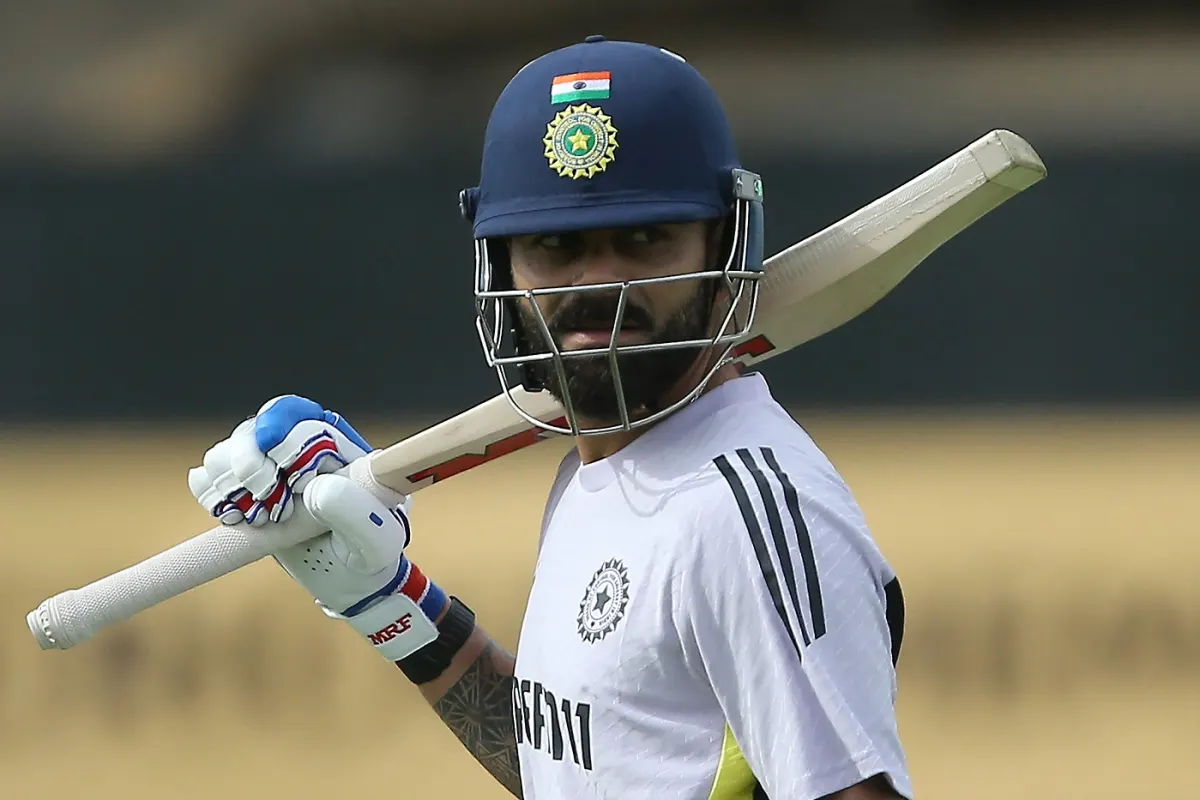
x: 613, y: 231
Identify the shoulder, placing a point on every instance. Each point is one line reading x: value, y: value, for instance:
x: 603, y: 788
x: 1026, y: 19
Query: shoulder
x: 562, y: 477
x: 772, y: 501
x: 757, y: 460
x: 740, y: 424
x: 566, y: 469
x: 762, y: 478
x: 764, y: 487
x: 778, y: 532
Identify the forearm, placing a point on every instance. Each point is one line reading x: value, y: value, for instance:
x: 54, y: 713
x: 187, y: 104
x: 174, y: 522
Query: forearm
x: 474, y: 698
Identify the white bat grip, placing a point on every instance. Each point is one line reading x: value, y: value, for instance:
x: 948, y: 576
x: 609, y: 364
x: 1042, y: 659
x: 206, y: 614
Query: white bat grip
x: 75, y: 615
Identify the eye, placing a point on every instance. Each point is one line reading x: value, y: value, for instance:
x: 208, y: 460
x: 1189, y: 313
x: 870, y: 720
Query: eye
x: 647, y: 235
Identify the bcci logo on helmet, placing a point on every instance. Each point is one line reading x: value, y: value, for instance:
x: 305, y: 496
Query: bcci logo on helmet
x: 580, y: 141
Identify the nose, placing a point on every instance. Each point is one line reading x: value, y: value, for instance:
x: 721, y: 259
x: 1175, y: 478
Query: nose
x: 601, y: 262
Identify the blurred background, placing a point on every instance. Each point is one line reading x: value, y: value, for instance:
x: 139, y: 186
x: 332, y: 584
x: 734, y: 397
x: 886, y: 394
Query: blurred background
x: 1020, y: 419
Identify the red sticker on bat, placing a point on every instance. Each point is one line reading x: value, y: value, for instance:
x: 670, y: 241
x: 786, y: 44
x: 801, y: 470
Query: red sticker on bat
x: 494, y: 450
x: 755, y: 348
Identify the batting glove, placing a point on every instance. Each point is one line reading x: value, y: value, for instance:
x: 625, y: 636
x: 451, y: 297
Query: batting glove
x: 280, y: 463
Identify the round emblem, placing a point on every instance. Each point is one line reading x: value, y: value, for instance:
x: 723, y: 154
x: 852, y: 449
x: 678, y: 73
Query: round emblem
x: 580, y: 141
x: 604, y: 601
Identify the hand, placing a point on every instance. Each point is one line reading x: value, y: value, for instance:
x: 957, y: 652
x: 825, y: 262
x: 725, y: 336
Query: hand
x: 282, y: 462
x: 254, y: 475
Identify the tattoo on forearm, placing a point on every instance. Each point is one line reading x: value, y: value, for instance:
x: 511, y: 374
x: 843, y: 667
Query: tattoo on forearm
x: 478, y: 708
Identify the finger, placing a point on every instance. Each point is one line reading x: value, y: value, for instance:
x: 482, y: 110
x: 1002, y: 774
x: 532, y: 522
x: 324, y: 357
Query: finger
x: 346, y: 429
x: 368, y: 535
x: 279, y: 415
x: 216, y: 464
x: 311, y: 448
x: 229, y: 512
x: 201, y: 487
x: 211, y: 499
x: 262, y: 478
x: 255, y: 470
x: 281, y: 509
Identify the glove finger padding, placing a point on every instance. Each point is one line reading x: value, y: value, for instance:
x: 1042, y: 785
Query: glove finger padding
x: 284, y: 428
x: 262, y: 478
x: 288, y: 442
x: 217, y: 488
x: 311, y: 448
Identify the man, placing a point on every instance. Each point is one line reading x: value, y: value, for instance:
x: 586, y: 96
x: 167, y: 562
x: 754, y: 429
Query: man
x: 709, y: 616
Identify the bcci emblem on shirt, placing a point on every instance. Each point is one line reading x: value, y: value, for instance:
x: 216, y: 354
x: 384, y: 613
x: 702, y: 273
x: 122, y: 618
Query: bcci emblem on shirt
x: 604, y: 601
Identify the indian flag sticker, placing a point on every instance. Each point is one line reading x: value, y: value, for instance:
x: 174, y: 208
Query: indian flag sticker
x: 579, y: 86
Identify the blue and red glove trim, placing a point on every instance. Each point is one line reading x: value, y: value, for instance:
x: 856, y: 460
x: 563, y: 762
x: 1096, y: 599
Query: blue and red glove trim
x: 411, y: 582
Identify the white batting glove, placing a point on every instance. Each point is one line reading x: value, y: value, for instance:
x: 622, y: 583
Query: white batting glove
x: 283, y: 459
x: 253, y: 475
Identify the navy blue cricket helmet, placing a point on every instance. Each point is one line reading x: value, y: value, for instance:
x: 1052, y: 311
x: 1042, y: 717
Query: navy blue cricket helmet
x: 605, y: 134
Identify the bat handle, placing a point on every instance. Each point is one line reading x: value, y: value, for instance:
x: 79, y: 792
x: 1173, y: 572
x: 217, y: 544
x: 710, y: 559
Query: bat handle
x: 74, y: 616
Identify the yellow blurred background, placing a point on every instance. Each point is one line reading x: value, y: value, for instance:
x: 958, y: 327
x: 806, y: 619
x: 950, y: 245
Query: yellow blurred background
x: 1050, y: 562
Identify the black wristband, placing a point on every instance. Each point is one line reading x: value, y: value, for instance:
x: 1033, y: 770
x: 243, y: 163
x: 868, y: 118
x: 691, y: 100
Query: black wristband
x: 431, y: 661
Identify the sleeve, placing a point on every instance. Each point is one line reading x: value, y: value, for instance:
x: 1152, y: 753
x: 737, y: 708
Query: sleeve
x: 783, y: 610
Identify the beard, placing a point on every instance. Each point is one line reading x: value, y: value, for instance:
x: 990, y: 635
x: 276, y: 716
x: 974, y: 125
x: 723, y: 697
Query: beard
x: 646, y: 376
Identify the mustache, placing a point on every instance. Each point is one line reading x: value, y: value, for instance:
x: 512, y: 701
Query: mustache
x: 598, y: 313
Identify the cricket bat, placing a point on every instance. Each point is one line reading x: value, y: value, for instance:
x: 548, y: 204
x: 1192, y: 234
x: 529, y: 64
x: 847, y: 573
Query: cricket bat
x: 807, y: 290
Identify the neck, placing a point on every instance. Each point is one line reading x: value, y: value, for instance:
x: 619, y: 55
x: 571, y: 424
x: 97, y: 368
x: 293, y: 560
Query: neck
x: 594, y: 448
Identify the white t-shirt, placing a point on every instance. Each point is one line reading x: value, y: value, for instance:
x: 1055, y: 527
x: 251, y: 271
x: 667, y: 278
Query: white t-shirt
x: 709, y: 618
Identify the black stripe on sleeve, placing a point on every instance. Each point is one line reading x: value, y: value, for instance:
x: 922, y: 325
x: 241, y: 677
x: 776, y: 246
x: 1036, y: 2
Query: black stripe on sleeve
x: 894, y: 612
x: 757, y: 540
x: 782, y: 549
x: 812, y: 578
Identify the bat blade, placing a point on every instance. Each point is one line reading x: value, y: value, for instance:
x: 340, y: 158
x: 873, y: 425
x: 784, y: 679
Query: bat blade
x: 809, y: 289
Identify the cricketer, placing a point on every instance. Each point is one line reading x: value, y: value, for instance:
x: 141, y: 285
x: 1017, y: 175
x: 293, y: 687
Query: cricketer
x: 709, y: 615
